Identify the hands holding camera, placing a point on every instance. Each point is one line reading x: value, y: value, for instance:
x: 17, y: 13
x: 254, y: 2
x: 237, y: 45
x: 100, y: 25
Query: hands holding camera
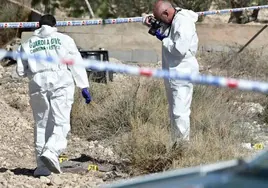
x: 159, y: 35
x: 146, y: 19
x: 150, y: 21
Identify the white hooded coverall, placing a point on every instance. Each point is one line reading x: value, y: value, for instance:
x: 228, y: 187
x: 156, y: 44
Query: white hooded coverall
x: 51, y: 87
x: 178, y: 54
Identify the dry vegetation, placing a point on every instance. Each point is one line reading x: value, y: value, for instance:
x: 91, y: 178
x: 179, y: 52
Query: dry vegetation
x: 132, y: 116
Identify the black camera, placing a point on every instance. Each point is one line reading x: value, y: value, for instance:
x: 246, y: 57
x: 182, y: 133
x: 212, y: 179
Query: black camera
x: 155, y: 25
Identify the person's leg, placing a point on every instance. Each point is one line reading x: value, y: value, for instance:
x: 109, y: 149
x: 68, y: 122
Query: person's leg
x: 173, y: 131
x: 40, y: 107
x: 182, y: 93
x: 61, y: 103
x: 182, y: 97
x: 50, y: 126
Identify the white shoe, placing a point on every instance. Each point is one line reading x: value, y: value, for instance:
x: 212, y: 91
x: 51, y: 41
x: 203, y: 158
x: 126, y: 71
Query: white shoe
x: 51, y: 161
x: 41, y: 171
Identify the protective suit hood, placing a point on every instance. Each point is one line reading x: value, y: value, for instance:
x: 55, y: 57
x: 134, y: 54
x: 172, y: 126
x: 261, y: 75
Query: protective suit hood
x: 187, y: 13
x: 45, y: 31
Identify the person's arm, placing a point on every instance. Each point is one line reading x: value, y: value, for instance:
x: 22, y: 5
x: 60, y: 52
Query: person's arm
x: 79, y: 73
x: 22, y: 65
x: 183, y: 33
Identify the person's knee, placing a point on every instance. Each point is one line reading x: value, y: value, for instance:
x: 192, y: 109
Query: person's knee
x: 181, y: 113
x: 182, y: 104
x: 66, y: 130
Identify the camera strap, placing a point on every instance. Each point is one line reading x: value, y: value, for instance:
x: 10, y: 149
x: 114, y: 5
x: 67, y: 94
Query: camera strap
x: 176, y: 11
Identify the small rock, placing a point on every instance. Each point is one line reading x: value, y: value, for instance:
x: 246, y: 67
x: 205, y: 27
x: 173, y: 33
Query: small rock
x: 11, y: 186
x: 20, y: 154
x: 2, y: 70
x: 84, y: 186
x: 3, y: 183
x: 95, y: 142
x: 110, y: 175
x: 110, y: 152
x: 44, y: 179
x: 91, y: 145
x: 76, y: 138
x: 246, y: 146
x: 27, y: 186
x: 43, y: 186
x: 57, y: 180
x: 100, y: 147
x: 68, y: 186
x: 8, y: 171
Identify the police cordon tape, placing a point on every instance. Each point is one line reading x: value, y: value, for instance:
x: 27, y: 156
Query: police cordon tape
x: 240, y: 84
x: 117, y: 20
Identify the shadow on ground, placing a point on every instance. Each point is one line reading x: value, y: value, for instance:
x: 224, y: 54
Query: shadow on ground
x: 82, y: 164
x: 19, y: 171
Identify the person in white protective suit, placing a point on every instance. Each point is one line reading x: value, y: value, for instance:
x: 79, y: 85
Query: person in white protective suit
x: 179, y: 47
x: 51, y: 90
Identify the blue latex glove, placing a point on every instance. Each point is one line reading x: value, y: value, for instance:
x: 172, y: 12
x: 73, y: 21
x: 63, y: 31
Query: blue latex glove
x: 159, y: 35
x: 86, y: 95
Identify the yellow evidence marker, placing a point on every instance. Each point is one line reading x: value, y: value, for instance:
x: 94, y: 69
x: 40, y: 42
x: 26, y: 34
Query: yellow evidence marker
x: 92, y: 167
x: 63, y: 157
x: 258, y: 146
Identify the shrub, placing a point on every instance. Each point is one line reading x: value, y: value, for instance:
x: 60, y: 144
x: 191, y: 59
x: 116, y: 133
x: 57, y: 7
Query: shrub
x: 134, y: 120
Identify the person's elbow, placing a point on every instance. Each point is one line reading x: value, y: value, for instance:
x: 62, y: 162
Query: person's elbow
x: 178, y: 49
x: 183, y: 45
x: 181, y: 50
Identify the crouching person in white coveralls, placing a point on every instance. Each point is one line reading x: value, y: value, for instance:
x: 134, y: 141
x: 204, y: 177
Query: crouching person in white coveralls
x: 51, y: 90
x: 179, y: 47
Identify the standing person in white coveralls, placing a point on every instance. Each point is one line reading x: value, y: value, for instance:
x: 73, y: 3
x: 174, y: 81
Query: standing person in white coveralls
x: 179, y: 47
x: 51, y: 90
